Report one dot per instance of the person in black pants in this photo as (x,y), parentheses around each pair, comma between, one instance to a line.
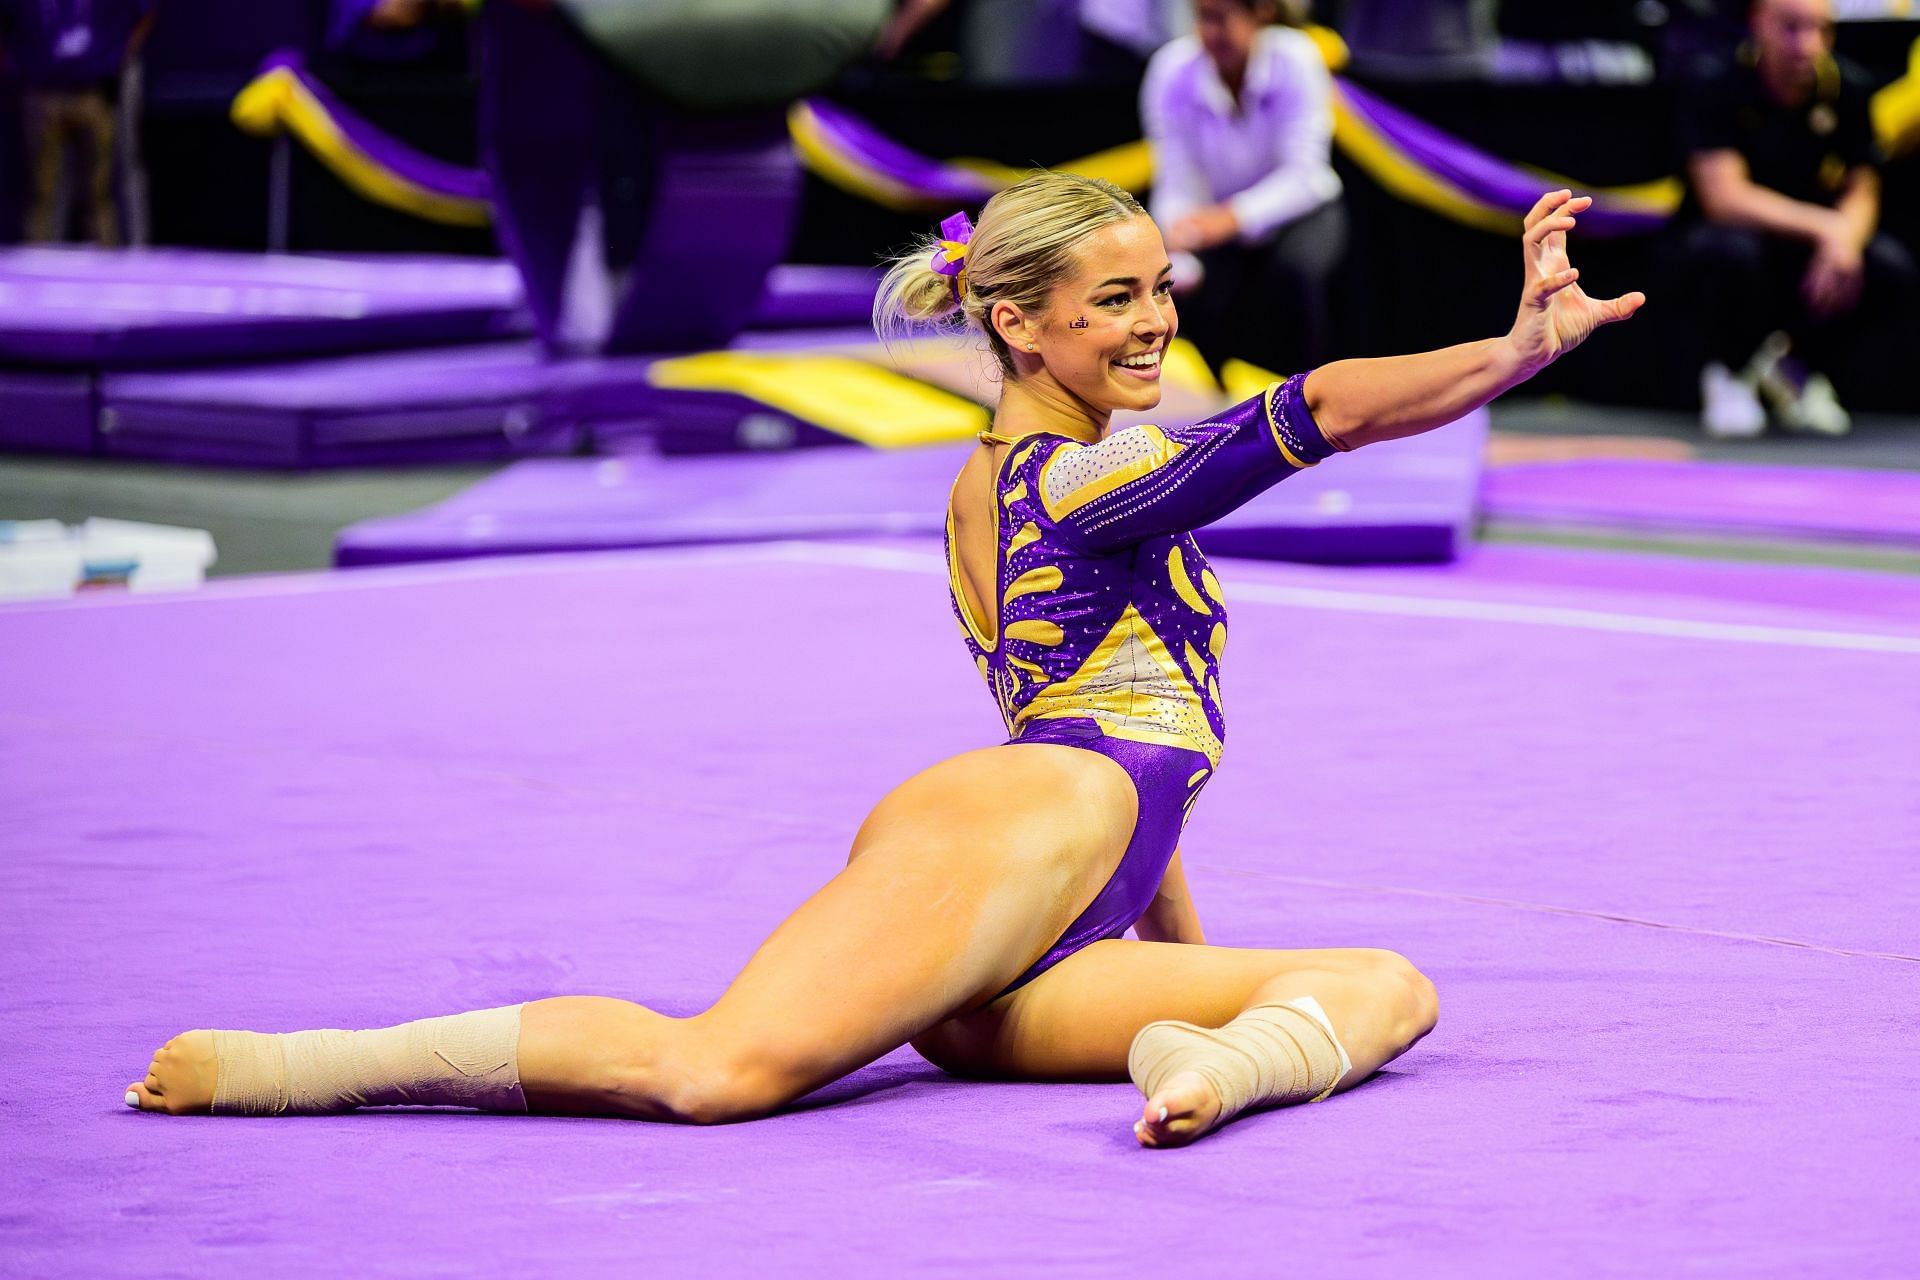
(1781,223)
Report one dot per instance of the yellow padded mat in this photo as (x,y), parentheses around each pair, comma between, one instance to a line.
(848,397)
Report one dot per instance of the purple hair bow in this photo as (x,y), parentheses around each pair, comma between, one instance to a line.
(950,259)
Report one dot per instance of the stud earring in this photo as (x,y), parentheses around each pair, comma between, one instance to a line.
(1029,346)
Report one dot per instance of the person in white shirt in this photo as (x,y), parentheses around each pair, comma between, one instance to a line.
(1241,121)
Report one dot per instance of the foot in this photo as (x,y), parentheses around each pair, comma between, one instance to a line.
(1185,1109)
(1729,406)
(180,1078)
(1807,403)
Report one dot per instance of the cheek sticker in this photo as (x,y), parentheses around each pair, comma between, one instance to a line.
(1078,322)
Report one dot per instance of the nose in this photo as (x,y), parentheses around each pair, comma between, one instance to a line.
(1158,318)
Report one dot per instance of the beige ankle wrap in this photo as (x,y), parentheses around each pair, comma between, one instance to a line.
(463,1060)
(1270,1055)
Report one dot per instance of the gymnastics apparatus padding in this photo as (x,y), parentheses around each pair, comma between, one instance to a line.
(1403,502)
(440,404)
(99,308)
(1708,499)
(46,412)
(505,400)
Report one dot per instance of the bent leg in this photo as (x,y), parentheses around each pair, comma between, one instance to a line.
(1078,1020)
(958,881)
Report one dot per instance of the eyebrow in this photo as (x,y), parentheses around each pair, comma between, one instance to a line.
(1131,281)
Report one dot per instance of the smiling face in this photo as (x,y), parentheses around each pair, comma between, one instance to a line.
(1122,290)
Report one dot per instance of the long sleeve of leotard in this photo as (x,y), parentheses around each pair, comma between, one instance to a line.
(1145,481)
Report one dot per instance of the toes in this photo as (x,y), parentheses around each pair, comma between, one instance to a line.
(142,1098)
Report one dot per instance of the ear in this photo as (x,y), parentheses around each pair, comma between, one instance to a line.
(1012,325)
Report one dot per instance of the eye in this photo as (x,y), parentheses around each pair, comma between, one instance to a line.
(1165,287)
(1116,299)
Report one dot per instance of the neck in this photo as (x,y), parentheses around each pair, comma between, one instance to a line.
(1787,87)
(1234,76)
(1037,403)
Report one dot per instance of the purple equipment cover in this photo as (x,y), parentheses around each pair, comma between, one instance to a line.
(1732,498)
(129,307)
(1408,501)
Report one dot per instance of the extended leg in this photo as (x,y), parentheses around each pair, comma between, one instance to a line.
(959,880)
(1078,1020)
(46,160)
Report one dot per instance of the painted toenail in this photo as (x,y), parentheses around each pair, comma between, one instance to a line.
(1163,1115)
(133,1099)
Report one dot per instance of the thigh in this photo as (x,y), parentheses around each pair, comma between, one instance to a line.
(1078,1020)
(958,881)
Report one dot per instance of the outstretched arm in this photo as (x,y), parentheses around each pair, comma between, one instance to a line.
(1359,402)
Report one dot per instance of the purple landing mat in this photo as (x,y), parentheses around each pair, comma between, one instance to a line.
(1659,864)
(120,308)
(441,404)
(1710,498)
(46,412)
(1409,501)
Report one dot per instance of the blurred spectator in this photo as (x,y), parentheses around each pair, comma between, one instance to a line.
(1241,120)
(70,56)
(1782,165)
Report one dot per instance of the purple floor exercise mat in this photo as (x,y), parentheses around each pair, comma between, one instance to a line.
(132,307)
(1710,499)
(1664,882)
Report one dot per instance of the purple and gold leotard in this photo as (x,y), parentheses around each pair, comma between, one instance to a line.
(1112,625)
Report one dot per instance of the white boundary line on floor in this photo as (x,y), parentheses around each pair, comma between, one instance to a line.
(1407,606)
(857,555)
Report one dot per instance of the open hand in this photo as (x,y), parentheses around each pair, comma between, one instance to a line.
(1834,276)
(1556,315)
(1215,224)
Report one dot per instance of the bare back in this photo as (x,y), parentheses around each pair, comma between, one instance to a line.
(976,540)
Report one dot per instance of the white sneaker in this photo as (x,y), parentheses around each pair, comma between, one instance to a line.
(1729,406)
(1811,407)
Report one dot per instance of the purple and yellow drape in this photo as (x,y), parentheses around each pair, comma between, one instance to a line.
(1408,157)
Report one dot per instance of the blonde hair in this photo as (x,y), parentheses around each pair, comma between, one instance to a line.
(1022,247)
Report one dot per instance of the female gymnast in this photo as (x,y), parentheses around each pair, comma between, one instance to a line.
(981,912)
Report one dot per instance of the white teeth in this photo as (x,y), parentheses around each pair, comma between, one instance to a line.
(1145,360)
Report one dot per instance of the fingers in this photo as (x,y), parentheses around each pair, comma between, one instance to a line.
(1546,286)
(1561,199)
(1539,231)
(1614,310)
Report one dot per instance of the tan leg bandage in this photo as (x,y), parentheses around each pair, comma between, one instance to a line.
(464,1060)
(1268,1056)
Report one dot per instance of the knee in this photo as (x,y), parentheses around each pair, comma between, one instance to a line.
(1720,247)
(728,1097)
(725,1091)
(1889,261)
(698,1078)
(1412,998)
